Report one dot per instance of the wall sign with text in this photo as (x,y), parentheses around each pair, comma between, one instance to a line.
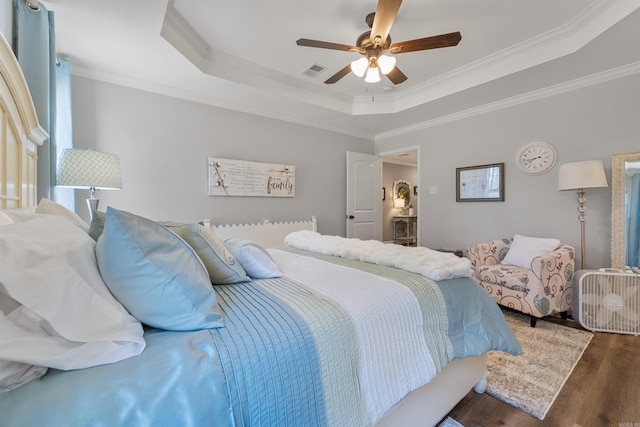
(229,177)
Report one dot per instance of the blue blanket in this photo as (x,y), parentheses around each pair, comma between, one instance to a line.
(271,381)
(176,381)
(270,365)
(475,324)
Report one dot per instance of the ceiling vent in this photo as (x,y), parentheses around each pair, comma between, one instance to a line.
(314,70)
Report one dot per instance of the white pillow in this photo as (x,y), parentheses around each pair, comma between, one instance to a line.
(19,214)
(5,219)
(524,249)
(56,311)
(46,206)
(14,374)
(255,260)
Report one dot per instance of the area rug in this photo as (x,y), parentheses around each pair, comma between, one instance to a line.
(532,381)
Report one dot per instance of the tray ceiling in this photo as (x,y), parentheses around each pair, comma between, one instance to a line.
(242,55)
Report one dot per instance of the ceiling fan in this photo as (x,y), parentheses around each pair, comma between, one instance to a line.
(373,45)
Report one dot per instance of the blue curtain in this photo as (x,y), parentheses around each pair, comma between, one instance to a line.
(34,46)
(63,127)
(633,220)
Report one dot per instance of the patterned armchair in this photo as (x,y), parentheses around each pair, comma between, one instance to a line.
(542,289)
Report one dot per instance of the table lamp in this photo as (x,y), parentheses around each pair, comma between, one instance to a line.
(89,169)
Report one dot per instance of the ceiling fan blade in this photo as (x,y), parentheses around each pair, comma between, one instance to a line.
(396,76)
(326,45)
(433,42)
(340,74)
(386,12)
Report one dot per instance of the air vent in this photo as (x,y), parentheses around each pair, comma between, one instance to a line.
(314,70)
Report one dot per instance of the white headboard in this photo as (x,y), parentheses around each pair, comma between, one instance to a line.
(266,234)
(20,135)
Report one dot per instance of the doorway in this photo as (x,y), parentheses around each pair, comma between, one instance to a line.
(398,224)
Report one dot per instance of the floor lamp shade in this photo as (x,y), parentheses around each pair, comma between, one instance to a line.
(577,176)
(90,169)
(588,174)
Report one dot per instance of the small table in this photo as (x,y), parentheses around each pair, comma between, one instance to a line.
(404,230)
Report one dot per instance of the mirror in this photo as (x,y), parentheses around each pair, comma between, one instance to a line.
(625,206)
(402,190)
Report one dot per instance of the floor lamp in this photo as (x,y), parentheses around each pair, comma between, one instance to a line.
(577,176)
(89,169)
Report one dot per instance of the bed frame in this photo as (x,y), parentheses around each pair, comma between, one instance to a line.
(429,404)
(267,234)
(442,394)
(21,135)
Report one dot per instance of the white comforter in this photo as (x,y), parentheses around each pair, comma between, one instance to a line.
(427,262)
(394,359)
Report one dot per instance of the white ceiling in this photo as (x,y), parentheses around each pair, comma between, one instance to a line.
(408,158)
(242,54)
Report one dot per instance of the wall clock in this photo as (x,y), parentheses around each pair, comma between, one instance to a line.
(537,158)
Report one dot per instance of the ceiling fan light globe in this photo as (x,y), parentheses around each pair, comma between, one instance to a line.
(359,66)
(386,63)
(373,75)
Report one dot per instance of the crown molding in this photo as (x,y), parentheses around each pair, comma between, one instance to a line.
(562,41)
(229,103)
(177,32)
(582,82)
(246,87)
(595,19)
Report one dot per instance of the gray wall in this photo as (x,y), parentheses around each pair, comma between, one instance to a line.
(164,143)
(585,124)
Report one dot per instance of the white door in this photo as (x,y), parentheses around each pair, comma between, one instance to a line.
(364,196)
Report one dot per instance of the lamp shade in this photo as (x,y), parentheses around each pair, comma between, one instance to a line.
(398,203)
(359,66)
(88,169)
(588,174)
(386,63)
(373,75)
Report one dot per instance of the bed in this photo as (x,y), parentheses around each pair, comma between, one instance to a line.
(100,327)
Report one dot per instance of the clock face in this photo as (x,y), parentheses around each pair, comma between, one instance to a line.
(537,157)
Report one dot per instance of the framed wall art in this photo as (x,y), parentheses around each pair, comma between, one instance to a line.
(402,190)
(229,177)
(484,183)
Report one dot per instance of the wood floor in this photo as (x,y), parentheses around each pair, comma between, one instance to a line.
(603,390)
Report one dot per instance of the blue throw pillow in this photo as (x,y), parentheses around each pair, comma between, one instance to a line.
(155,274)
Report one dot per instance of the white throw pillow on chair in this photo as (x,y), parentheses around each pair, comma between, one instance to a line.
(524,249)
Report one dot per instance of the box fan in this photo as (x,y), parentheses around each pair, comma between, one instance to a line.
(607,301)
